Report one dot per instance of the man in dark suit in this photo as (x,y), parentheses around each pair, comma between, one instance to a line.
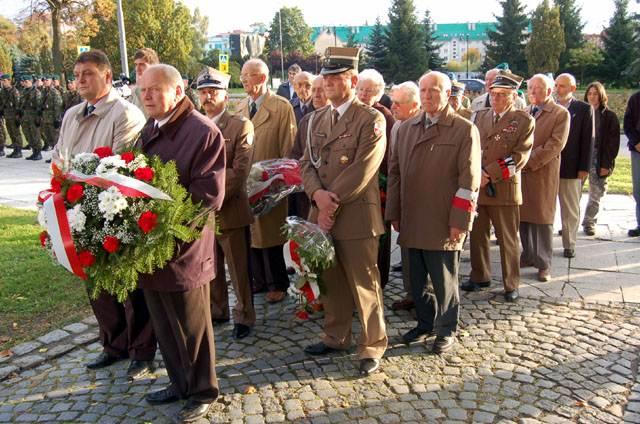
(286,89)
(178,294)
(301,103)
(575,160)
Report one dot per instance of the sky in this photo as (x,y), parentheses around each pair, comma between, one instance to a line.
(225,16)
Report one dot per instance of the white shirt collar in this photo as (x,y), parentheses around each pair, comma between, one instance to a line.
(257,101)
(342,109)
(216,118)
(163,121)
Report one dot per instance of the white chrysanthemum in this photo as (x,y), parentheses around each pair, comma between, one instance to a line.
(42,220)
(111,203)
(82,158)
(110,165)
(77,219)
(138,162)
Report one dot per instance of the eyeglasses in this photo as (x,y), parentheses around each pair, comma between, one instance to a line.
(499,95)
(247,76)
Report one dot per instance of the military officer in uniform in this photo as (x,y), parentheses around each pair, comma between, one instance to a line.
(3,99)
(31,101)
(506,136)
(10,105)
(71,96)
(234,218)
(483,101)
(51,107)
(55,83)
(340,165)
(456,100)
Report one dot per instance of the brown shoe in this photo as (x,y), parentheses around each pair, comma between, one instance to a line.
(275,296)
(405,304)
(544,275)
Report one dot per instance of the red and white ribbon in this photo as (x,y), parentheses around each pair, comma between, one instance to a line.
(310,290)
(128,186)
(60,234)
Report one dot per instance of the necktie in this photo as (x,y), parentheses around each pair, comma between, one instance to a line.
(253,110)
(534,111)
(303,109)
(90,109)
(335,115)
(496,118)
(428,122)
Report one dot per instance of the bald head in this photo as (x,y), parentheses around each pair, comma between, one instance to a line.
(435,89)
(161,88)
(565,87)
(539,89)
(254,77)
(490,77)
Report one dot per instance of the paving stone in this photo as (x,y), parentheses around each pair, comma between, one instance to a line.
(28,361)
(483,417)
(25,348)
(53,336)
(5,371)
(76,328)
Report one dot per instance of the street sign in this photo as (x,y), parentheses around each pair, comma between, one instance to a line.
(223,61)
(82,49)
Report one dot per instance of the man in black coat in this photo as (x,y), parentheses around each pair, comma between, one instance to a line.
(632,131)
(286,89)
(575,160)
(301,103)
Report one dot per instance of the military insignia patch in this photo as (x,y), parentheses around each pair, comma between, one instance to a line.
(377,130)
(344,160)
(249,139)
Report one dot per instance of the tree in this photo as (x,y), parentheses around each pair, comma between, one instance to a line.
(6,62)
(296,34)
(200,29)
(431,47)
(8,31)
(406,58)
(351,41)
(547,40)
(634,68)
(163,25)
(376,50)
(584,62)
(507,43)
(618,40)
(572,24)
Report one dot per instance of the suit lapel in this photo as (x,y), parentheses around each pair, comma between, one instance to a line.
(263,113)
(224,119)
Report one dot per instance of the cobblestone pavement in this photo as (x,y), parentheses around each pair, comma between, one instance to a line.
(541,360)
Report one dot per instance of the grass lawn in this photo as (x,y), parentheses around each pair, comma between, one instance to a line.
(620,181)
(36,296)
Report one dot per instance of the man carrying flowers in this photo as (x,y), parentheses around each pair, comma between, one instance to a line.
(178,294)
(105,120)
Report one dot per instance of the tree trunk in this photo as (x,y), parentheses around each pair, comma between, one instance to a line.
(56,50)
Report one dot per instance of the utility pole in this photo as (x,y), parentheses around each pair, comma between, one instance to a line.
(123,42)
(281,45)
(467,37)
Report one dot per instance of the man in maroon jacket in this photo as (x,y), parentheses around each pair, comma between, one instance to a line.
(178,294)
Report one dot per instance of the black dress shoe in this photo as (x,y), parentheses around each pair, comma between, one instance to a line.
(240,331)
(414,334)
(635,232)
(397,267)
(192,411)
(511,296)
(590,231)
(443,344)
(46,148)
(47,161)
(138,369)
(569,253)
(2,153)
(473,286)
(220,321)
(368,366)
(35,155)
(16,154)
(103,360)
(166,395)
(319,349)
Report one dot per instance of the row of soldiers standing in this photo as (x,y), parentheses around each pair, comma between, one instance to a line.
(35,110)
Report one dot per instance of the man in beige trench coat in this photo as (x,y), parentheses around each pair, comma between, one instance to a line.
(275,128)
(541,176)
(340,173)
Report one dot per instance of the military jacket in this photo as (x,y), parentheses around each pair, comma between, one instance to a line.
(51,104)
(506,147)
(31,101)
(9,101)
(70,99)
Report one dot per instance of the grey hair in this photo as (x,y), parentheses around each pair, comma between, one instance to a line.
(548,82)
(373,76)
(259,65)
(443,79)
(169,74)
(309,75)
(410,89)
(571,78)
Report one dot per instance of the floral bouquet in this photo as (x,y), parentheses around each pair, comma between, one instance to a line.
(109,217)
(312,252)
(270,181)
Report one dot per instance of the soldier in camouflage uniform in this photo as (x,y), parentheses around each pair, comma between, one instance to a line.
(30,116)
(71,97)
(10,100)
(191,94)
(3,136)
(56,84)
(51,108)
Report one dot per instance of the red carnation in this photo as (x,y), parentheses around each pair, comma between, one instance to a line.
(86,258)
(103,152)
(144,173)
(111,244)
(127,156)
(56,185)
(303,315)
(147,221)
(75,193)
(43,238)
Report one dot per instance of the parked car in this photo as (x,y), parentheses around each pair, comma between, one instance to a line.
(473,87)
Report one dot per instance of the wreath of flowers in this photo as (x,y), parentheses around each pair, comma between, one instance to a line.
(110,217)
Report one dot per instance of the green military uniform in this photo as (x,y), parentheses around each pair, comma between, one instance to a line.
(10,103)
(51,107)
(71,98)
(30,111)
